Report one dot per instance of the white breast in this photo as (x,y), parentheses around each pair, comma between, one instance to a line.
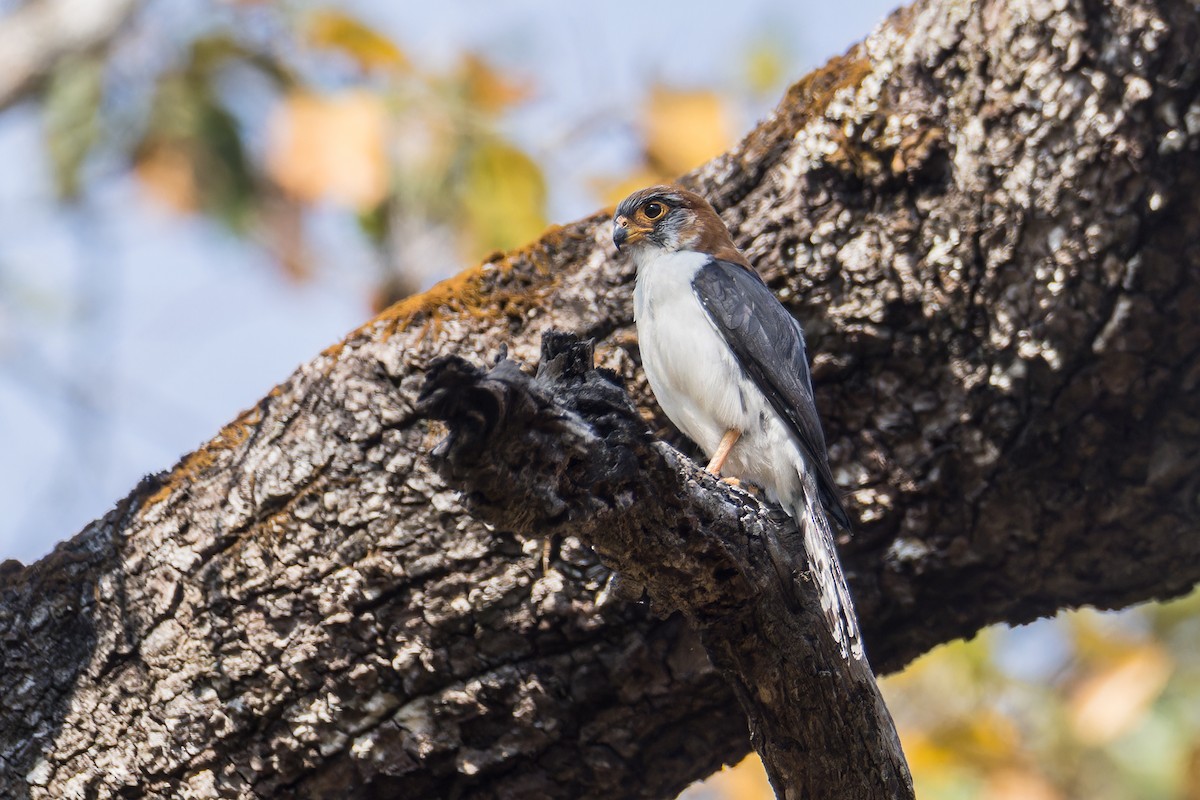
(701,387)
(697,380)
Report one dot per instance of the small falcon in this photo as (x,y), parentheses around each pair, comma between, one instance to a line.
(727,363)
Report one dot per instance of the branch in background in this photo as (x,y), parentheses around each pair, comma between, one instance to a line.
(36,36)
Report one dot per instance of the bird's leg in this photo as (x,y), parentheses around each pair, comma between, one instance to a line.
(718,459)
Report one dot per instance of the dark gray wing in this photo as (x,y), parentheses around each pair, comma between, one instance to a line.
(769,345)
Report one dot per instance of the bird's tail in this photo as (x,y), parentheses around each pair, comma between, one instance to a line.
(826,569)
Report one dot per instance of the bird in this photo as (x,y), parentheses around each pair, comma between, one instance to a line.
(727,363)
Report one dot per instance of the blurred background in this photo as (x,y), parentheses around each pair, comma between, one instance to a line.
(198,196)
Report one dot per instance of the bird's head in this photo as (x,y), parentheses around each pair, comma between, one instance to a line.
(671,218)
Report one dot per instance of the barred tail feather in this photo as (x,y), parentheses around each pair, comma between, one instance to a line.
(836,602)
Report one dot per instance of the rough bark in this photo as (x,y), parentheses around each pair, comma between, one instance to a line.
(987,217)
(566,453)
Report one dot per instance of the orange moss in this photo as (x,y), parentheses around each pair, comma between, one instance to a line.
(811,95)
(192,466)
(504,285)
(805,100)
(463,293)
(859,154)
(507,284)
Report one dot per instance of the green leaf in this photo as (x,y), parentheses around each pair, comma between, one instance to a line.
(197,137)
(72,119)
(210,54)
(375,222)
(504,196)
(188,119)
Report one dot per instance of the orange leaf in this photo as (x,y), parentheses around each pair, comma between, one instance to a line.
(684,129)
(1012,784)
(167,174)
(486,88)
(330,147)
(745,781)
(1113,700)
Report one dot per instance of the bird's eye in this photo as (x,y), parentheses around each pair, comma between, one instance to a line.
(654,210)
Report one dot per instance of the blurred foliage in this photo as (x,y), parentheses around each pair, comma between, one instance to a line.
(191,154)
(680,130)
(395,144)
(72,108)
(336,30)
(419,156)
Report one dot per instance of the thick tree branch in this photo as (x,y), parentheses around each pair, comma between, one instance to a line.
(566,453)
(988,218)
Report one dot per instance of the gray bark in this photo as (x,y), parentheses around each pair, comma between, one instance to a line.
(986,216)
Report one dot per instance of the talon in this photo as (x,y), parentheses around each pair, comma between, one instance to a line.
(727,442)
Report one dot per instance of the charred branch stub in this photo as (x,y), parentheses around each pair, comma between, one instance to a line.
(566,451)
(530,460)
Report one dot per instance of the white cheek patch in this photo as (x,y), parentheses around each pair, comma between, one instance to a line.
(677,230)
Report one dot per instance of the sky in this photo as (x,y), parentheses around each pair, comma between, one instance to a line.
(129,335)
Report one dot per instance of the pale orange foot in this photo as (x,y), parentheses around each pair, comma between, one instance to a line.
(718,459)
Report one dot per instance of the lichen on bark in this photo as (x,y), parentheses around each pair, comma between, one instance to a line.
(986,217)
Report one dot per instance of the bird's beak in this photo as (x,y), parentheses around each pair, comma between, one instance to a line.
(620,231)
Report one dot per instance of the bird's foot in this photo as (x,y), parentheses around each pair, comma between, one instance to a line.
(727,442)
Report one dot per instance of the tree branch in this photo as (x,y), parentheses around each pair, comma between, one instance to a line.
(39,34)
(566,453)
(988,218)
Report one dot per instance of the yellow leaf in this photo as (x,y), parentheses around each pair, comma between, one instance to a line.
(504,197)
(765,64)
(1191,777)
(992,736)
(684,129)
(926,755)
(330,147)
(614,191)
(1113,700)
(985,739)
(167,174)
(336,30)
(1098,636)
